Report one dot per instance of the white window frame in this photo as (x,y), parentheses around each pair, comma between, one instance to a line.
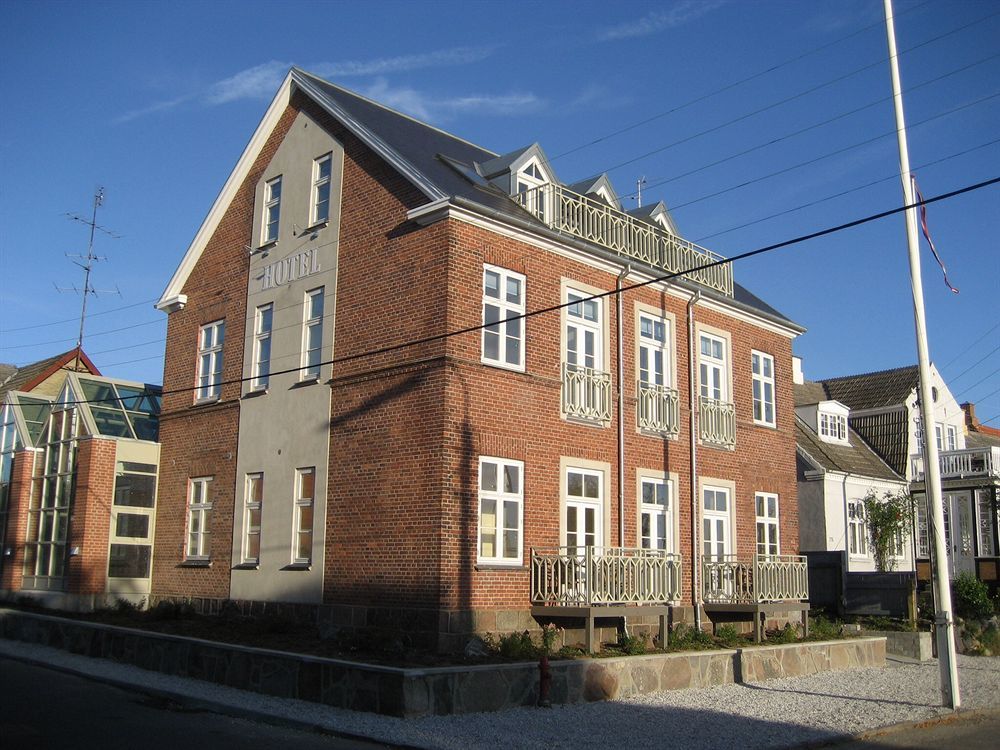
(211,338)
(652,349)
(500,497)
(714,515)
(653,511)
(939,436)
(197,544)
(857,530)
(762,370)
(253,503)
(321,183)
(261,370)
(716,387)
(833,426)
(302,531)
(769,523)
(526,180)
(581,325)
(312,325)
(270,226)
(952,435)
(505,309)
(583,501)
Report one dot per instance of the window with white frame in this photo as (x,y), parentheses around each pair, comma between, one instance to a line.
(712,367)
(857,529)
(501,500)
(261,371)
(654,350)
(312,334)
(952,434)
(210,340)
(762,368)
(272,210)
(584,509)
(529,181)
(767,524)
(833,426)
(656,528)
(199,518)
(503,304)
(584,341)
(321,189)
(715,522)
(305,499)
(939,436)
(252,502)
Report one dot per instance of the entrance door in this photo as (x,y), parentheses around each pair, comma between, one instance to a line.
(583,510)
(958,531)
(132,517)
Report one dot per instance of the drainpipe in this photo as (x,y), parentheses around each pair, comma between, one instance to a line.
(621,410)
(695,505)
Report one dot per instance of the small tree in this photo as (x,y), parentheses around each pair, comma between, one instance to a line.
(890,522)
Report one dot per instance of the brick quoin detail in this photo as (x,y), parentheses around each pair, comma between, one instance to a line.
(89,523)
(19,500)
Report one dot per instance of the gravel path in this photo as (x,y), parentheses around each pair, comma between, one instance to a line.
(773,714)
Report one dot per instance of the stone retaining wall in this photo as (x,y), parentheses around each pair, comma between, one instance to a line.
(912,644)
(444,690)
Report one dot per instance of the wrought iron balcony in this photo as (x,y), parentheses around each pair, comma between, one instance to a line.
(595,221)
(657,408)
(601,576)
(586,393)
(717,422)
(970,462)
(762,578)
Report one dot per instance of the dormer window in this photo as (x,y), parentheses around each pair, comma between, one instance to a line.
(833,427)
(529,180)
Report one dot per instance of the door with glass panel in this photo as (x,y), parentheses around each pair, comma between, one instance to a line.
(715,540)
(958,531)
(132,515)
(655,521)
(583,510)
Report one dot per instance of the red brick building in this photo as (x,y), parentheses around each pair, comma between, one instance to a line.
(78,467)
(399,385)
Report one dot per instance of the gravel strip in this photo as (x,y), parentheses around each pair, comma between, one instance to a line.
(774,714)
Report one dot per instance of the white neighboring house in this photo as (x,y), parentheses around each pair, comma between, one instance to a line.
(836,470)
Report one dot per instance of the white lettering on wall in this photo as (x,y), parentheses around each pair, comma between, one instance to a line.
(289,269)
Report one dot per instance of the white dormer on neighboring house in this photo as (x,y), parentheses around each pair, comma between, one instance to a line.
(526,171)
(598,188)
(658,214)
(828,419)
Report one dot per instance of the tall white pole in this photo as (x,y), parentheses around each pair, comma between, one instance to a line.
(945,626)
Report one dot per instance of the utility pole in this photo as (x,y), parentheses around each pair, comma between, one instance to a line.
(944,625)
(86,262)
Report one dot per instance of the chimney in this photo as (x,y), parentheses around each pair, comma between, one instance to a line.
(797,377)
(971,423)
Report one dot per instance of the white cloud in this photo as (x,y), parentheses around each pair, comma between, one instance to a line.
(432,109)
(381,66)
(153,108)
(258,82)
(660,20)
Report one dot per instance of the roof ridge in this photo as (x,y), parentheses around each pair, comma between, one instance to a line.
(868,374)
(394,111)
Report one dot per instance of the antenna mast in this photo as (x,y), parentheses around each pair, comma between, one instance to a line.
(86,262)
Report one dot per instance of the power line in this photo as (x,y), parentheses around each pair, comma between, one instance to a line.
(977,362)
(957,356)
(601,295)
(91,335)
(981,380)
(74,320)
(133,361)
(730,86)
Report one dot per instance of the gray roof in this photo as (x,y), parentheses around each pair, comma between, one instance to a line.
(873,390)
(809,393)
(856,458)
(451,164)
(981,440)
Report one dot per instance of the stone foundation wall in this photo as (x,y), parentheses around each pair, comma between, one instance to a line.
(444,690)
(914,645)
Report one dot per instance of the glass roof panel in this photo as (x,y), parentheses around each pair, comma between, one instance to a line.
(111,422)
(104,393)
(36,414)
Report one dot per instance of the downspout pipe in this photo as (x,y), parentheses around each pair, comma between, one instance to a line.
(621,407)
(695,505)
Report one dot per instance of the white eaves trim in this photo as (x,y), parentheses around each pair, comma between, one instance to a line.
(442,209)
(172,298)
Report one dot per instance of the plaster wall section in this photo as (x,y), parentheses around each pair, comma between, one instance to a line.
(135,452)
(841,488)
(284,424)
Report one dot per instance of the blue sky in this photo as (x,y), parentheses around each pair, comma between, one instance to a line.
(754,121)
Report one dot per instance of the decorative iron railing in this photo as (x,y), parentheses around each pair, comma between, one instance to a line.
(657,408)
(595,221)
(586,393)
(717,422)
(970,462)
(762,578)
(588,576)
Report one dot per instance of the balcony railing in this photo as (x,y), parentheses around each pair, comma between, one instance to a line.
(600,576)
(586,393)
(657,408)
(971,462)
(597,222)
(772,578)
(717,422)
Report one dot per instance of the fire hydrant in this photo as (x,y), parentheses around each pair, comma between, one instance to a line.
(544,681)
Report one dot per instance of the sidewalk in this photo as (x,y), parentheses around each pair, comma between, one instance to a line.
(820,710)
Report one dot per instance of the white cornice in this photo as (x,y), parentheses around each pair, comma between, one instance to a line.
(442,209)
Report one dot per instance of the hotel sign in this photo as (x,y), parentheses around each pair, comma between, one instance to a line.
(289,269)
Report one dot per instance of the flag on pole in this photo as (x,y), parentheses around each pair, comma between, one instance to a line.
(927,234)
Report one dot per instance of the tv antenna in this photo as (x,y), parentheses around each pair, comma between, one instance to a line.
(638,190)
(86,262)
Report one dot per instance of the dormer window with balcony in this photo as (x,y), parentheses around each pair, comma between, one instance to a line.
(528,180)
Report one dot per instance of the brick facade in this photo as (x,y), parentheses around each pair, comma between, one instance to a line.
(16,533)
(87,572)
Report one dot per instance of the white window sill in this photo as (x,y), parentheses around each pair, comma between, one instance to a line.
(265,246)
(501,365)
(771,425)
(209,400)
(196,562)
(315,227)
(500,565)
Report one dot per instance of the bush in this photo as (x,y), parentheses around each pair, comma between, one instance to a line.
(685,638)
(633,645)
(972,597)
(787,634)
(515,646)
(729,636)
(823,629)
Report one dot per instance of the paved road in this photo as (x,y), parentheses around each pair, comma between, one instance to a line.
(44,708)
(980,731)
